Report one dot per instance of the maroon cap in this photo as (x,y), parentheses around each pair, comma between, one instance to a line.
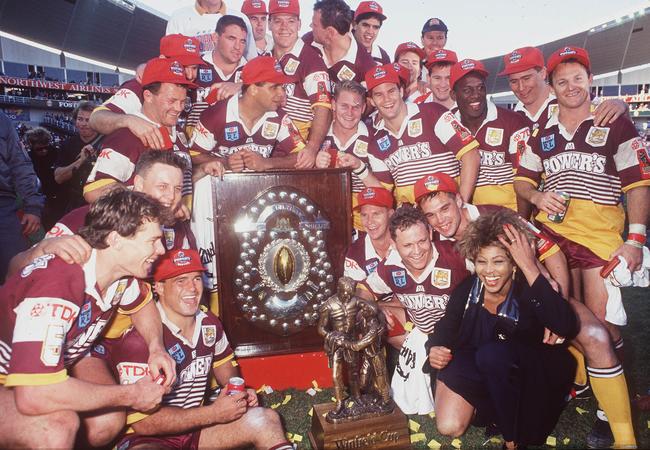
(441,56)
(371,7)
(435,182)
(522,59)
(284,7)
(381,74)
(462,68)
(375,196)
(177,262)
(183,49)
(409,47)
(264,69)
(253,7)
(165,70)
(565,53)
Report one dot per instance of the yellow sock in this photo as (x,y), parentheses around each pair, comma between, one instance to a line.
(610,390)
(213,299)
(581,369)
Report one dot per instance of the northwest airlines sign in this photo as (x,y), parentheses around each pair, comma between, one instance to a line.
(43,84)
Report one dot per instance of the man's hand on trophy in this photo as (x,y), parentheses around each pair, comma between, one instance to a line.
(236,161)
(213,168)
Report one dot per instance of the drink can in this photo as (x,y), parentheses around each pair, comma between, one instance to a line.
(558,218)
(235,385)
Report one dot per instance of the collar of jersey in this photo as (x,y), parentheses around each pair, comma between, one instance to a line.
(394,259)
(232,115)
(554,121)
(520,107)
(350,56)
(207,57)
(172,133)
(491,115)
(411,110)
(370,249)
(296,49)
(362,130)
(176,331)
(90,279)
(375,52)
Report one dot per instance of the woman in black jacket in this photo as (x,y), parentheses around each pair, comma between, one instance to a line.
(493,365)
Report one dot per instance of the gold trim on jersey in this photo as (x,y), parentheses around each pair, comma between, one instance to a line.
(98,184)
(471,146)
(35,379)
(221,362)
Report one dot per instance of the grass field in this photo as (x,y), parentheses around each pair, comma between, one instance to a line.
(576,419)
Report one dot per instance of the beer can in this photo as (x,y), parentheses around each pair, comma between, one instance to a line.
(235,385)
(558,218)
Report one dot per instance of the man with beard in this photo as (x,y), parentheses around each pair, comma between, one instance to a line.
(368,20)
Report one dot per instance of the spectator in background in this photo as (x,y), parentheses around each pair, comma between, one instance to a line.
(76,158)
(43,155)
(17,178)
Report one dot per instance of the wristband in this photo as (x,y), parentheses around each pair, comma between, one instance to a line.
(634,243)
(362,172)
(637,228)
(640,238)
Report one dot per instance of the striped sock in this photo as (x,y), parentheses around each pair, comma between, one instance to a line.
(619,349)
(610,389)
(282,446)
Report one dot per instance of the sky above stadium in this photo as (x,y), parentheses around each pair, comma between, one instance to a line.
(477,28)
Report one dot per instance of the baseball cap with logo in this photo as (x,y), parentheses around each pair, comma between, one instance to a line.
(435,182)
(371,7)
(566,53)
(284,7)
(183,49)
(522,59)
(409,47)
(434,24)
(385,73)
(264,69)
(177,262)
(165,70)
(253,7)
(375,196)
(441,56)
(462,68)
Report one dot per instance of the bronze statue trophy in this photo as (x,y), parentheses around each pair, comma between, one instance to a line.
(352,329)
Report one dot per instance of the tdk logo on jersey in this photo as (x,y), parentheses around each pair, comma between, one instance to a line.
(205,75)
(384,143)
(177,353)
(84,315)
(232,133)
(399,278)
(548,143)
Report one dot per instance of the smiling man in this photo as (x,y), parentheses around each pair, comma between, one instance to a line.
(164,92)
(502,135)
(438,65)
(434,35)
(368,20)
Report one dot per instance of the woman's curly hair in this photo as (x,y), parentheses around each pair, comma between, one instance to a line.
(485,231)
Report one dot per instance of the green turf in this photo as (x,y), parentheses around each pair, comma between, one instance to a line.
(572,425)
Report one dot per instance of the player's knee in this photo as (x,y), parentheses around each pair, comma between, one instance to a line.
(594,337)
(58,432)
(102,430)
(450,426)
(261,420)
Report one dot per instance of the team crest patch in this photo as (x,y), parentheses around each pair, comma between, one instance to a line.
(597,136)
(399,278)
(38,263)
(345,73)
(99,348)
(643,157)
(169,235)
(177,353)
(205,75)
(291,66)
(84,314)
(441,278)
(270,130)
(370,268)
(360,149)
(494,136)
(415,128)
(383,143)
(209,333)
(232,133)
(553,109)
(548,143)
(461,131)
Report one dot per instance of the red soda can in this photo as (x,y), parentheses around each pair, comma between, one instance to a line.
(558,218)
(235,386)
(160,379)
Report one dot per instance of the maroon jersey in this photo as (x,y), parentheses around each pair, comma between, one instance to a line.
(221,132)
(127,100)
(179,236)
(379,55)
(312,87)
(353,66)
(424,297)
(52,313)
(120,152)
(207,75)
(538,121)
(430,140)
(195,358)
(356,145)
(502,138)
(594,165)
(361,259)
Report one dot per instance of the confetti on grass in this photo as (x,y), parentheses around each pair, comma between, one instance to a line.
(414,426)
(418,437)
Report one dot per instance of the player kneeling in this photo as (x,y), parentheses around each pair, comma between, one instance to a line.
(195,339)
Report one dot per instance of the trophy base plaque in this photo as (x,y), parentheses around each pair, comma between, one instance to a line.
(385,432)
